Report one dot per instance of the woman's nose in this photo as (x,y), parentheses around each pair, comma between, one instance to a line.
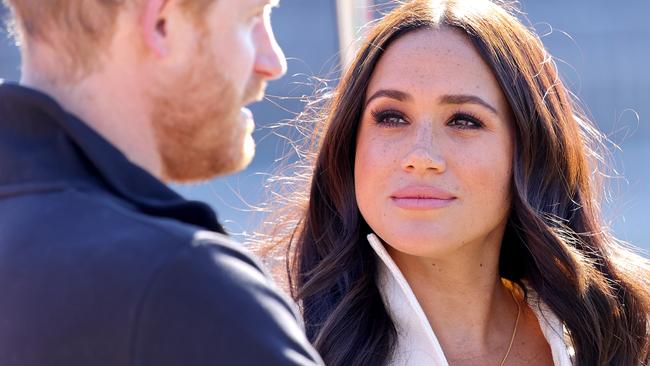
(424,156)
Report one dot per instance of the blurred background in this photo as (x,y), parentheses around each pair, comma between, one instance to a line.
(601,47)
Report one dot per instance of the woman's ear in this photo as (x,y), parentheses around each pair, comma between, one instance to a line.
(153,20)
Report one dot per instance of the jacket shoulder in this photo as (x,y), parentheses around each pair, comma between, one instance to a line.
(213,302)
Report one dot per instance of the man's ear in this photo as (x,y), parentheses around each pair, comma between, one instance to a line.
(154,26)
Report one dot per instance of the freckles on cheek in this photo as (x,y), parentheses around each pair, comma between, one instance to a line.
(385,158)
(373,169)
(491,178)
(369,151)
(388,151)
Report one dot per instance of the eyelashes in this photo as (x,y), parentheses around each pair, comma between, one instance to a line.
(465,121)
(388,118)
(392,118)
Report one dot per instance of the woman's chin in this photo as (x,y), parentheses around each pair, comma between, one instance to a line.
(419,244)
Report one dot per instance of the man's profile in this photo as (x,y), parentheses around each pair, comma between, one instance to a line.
(100,262)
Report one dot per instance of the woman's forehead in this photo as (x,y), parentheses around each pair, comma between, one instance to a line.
(431,62)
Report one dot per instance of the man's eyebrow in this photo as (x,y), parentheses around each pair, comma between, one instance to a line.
(390,93)
(467,99)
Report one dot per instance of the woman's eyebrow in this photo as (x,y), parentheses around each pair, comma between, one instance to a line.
(390,93)
(445,99)
(466,99)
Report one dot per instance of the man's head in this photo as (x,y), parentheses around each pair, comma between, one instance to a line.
(190,65)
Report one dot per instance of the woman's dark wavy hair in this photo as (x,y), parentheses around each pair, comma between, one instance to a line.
(555,238)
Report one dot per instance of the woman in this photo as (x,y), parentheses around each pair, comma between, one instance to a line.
(452,216)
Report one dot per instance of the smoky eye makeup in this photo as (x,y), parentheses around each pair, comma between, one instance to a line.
(388,118)
(460,119)
(465,121)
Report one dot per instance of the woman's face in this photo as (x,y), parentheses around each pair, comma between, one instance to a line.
(435,144)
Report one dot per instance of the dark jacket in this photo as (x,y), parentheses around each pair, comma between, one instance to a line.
(102,264)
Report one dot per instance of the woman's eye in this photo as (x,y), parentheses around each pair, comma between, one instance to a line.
(389,118)
(465,122)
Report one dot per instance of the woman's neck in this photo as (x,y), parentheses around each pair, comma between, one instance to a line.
(464,299)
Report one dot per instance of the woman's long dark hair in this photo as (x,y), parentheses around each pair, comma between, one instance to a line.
(555,239)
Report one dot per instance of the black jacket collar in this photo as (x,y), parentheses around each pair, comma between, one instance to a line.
(41,145)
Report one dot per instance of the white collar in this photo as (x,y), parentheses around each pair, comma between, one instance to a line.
(417,343)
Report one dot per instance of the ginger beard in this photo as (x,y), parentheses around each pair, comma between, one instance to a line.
(200,128)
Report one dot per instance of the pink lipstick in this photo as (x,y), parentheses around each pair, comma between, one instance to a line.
(422,198)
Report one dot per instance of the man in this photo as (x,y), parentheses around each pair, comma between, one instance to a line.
(101,263)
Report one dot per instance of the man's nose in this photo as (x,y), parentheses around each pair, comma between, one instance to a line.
(270,61)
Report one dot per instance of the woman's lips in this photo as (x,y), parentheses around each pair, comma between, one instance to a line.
(421,198)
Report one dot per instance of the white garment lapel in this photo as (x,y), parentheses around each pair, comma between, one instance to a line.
(402,304)
(552,328)
(414,328)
